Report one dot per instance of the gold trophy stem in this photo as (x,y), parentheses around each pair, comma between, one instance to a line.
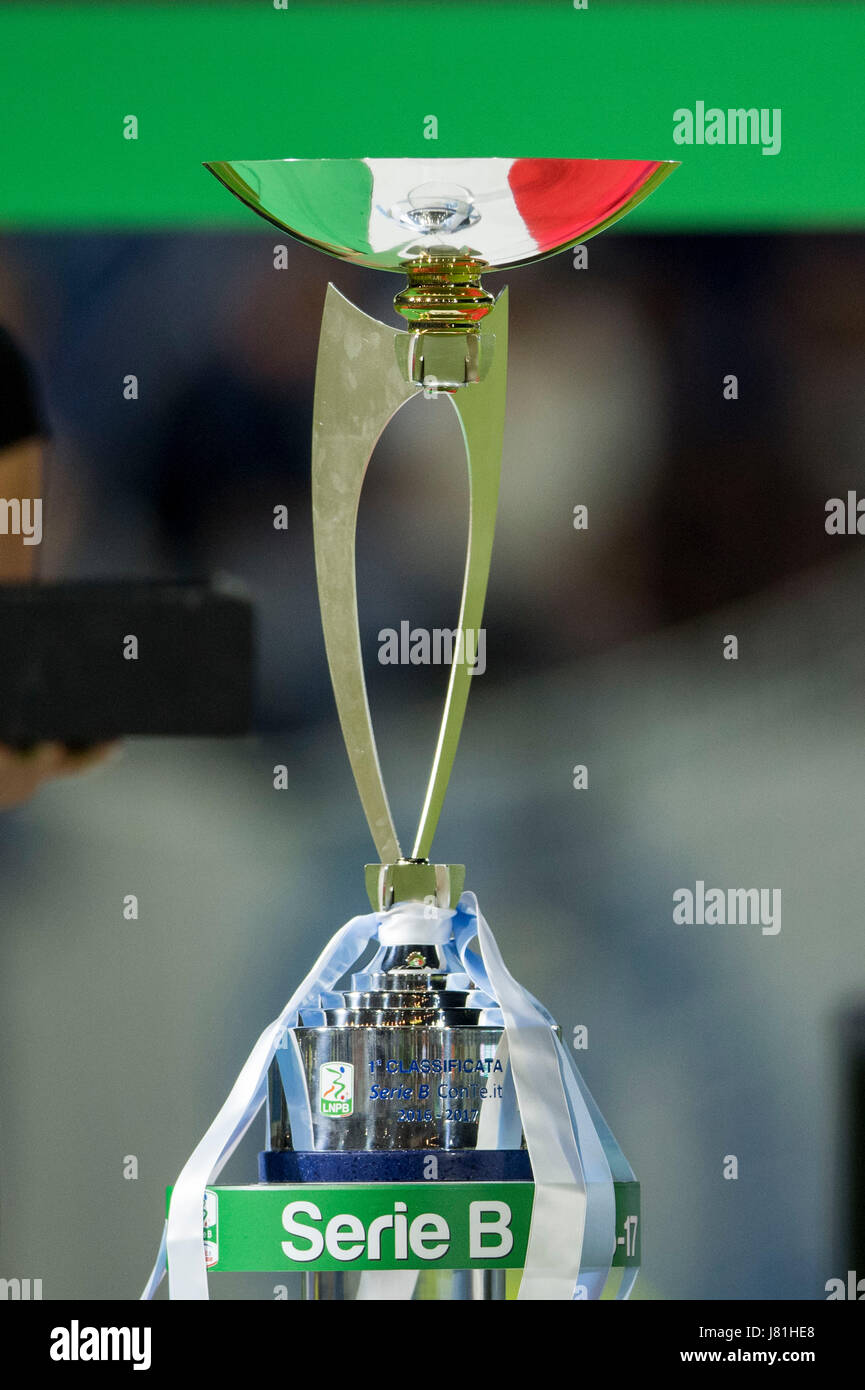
(366,371)
(444,292)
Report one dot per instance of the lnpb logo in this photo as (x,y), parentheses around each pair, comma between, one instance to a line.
(336,1088)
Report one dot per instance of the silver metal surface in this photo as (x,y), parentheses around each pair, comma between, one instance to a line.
(383,212)
(477,1284)
(415,1087)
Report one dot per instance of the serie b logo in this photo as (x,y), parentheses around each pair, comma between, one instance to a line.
(336,1088)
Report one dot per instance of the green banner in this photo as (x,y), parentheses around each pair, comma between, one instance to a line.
(355,1226)
(762,103)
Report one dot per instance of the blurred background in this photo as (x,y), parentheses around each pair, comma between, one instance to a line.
(604,648)
(706,517)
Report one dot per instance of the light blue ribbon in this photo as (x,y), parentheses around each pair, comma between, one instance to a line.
(567,1152)
(570,1145)
(182,1248)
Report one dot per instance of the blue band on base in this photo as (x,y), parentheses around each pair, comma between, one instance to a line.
(395,1165)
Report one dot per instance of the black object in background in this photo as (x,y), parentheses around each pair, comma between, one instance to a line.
(20,417)
(65,672)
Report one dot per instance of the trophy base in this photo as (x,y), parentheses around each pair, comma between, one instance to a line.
(397,1165)
(318,1168)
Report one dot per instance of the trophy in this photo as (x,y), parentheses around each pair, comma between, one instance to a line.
(428,1133)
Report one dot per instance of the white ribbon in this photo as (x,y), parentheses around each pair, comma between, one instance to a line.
(620,1168)
(387,1285)
(572,1234)
(183,1243)
(572,1237)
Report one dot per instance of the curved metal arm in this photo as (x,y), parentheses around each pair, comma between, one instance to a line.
(481,411)
(359,388)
